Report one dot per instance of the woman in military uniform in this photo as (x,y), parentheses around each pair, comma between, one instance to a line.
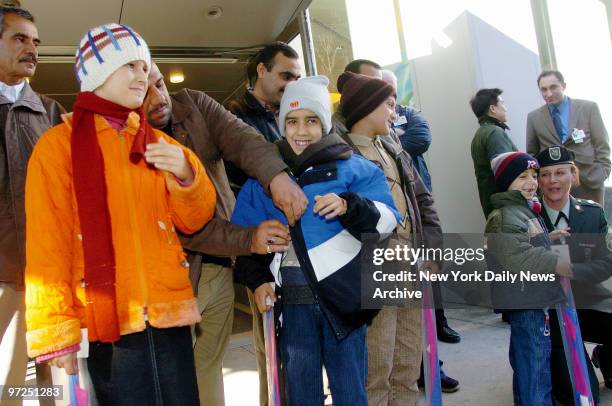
(583,226)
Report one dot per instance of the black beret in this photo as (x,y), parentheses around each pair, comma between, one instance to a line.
(555,155)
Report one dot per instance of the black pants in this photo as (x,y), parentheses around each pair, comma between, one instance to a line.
(438,303)
(595,328)
(153,367)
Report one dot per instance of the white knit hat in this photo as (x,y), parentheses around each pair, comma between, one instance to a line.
(309,93)
(105,49)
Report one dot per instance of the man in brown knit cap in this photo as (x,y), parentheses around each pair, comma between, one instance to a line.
(394,338)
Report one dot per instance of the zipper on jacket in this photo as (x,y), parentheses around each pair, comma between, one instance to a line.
(128,190)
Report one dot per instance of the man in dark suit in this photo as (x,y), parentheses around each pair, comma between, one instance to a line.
(577,125)
(582,224)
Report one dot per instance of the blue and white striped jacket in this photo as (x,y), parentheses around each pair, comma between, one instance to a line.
(330,250)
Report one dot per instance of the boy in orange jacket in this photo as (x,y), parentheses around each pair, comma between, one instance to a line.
(104,193)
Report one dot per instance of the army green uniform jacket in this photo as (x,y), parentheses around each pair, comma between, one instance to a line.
(590,248)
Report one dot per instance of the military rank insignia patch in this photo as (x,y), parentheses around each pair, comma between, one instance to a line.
(554,153)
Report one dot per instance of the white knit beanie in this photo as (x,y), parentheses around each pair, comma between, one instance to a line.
(105,49)
(309,93)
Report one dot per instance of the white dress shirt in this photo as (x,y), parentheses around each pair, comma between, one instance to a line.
(12,92)
(553,215)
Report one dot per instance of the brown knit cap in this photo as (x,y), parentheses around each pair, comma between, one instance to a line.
(361,95)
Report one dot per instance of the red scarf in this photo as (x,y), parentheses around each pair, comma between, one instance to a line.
(535,205)
(90,190)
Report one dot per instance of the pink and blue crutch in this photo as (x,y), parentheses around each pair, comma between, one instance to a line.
(274,398)
(574,347)
(431,364)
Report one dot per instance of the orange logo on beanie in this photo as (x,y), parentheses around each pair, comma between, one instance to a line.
(294,104)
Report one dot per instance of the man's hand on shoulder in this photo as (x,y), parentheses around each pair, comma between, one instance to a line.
(288,197)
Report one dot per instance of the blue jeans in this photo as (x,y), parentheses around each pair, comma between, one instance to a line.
(152,367)
(530,349)
(308,342)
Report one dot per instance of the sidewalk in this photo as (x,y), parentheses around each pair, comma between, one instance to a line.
(479,362)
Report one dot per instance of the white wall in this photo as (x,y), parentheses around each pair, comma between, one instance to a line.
(477,56)
(425,21)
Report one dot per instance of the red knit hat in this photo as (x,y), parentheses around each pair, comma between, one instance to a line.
(361,95)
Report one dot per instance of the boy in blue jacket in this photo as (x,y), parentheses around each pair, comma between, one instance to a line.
(319,275)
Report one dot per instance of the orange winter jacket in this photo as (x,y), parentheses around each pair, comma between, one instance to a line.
(145,205)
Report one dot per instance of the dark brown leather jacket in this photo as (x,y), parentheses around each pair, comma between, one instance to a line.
(23,122)
(215,135)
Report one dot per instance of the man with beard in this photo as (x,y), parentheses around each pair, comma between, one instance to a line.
(202,124)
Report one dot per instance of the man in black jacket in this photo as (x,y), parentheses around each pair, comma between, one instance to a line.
(268,73)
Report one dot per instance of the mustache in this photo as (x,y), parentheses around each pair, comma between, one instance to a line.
(29,58)
(160,106)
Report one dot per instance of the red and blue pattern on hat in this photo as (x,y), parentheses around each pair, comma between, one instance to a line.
(508,166)
(103,50)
